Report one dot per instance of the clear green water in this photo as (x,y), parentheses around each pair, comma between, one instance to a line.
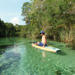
(18,57)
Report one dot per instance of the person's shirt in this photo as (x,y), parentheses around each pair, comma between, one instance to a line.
(44,41)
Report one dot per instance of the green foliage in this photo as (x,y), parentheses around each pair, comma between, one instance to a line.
(9,30)
(55,17)
(6,29)
(2,28)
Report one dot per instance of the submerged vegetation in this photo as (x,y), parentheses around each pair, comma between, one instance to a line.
(55,17)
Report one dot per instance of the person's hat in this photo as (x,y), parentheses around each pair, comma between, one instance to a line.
(42,32)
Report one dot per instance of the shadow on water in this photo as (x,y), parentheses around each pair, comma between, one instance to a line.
(61,53)
(3,48)
(2,51)
(10,58)
(58,72)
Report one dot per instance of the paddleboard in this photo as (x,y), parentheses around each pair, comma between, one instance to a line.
(47,48)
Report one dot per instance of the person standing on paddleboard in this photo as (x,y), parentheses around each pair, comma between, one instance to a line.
(43,41)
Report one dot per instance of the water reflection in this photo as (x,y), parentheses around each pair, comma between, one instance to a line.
(11,57)
(44,54)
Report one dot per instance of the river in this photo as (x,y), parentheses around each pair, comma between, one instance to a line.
(18,57)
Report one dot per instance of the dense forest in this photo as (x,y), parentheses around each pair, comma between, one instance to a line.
(55,17)
(10,30)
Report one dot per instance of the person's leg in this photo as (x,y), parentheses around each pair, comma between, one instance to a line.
(40,44)
(36,43)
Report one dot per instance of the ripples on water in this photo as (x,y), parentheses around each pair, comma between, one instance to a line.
(22,59)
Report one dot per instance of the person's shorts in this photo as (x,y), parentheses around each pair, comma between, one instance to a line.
(41,44)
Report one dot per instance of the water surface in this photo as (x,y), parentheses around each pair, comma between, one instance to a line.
(18,57)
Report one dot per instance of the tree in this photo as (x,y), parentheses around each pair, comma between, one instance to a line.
(55,17)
